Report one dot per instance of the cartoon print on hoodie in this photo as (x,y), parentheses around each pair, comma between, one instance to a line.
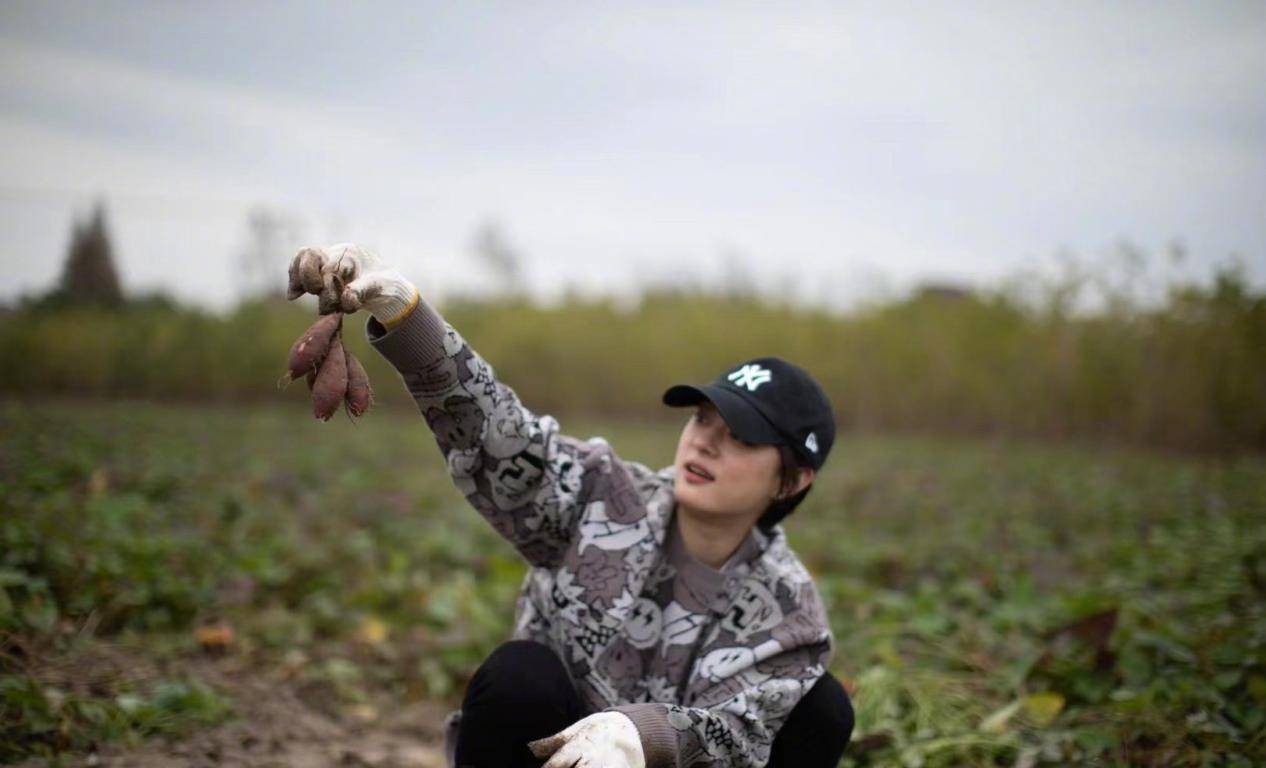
(707,679)
(602,573)
(508,434)
(514,480)
(457,424)
(645,624)
(754,610)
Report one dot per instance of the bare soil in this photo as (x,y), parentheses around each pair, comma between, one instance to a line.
(278,723)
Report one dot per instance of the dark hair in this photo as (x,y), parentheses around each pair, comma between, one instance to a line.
(788,475)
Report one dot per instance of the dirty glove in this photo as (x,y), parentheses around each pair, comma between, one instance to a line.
(602,740)
(346,277)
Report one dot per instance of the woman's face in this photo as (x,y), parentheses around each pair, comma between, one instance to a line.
(719,474)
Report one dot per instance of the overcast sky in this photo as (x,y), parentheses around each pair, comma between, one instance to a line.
(839,149)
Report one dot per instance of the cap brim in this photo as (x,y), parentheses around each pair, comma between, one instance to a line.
(744,421)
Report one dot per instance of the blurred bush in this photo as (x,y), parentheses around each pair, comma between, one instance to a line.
(1189,373)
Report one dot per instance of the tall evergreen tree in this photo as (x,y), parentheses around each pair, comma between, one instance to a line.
(88,276)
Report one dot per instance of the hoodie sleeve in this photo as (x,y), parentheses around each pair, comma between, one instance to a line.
(513,466)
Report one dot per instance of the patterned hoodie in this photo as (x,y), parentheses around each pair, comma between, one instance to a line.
(707,663)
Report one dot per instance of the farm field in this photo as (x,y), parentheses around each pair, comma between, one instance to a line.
(166,568)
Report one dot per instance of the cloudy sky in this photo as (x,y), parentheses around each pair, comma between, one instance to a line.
(836,149)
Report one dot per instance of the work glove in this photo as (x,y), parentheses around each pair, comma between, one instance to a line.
(602,740)
(346,277)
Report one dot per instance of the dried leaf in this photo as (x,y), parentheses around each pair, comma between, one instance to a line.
(214,638)
(1094,630)
(372,631)
(1042,708)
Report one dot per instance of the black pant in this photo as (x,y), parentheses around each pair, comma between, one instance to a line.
(522,692)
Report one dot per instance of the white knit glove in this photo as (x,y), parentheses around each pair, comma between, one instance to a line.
(346,277)
(602,740)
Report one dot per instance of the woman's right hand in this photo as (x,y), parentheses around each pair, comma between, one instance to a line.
(345,277)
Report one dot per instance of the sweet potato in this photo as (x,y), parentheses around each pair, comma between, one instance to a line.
(310,350)
(331,383)
(333,374)
(359,394)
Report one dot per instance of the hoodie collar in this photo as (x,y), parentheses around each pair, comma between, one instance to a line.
(709,583)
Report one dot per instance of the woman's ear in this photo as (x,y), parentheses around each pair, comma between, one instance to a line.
(807,474)
(804,478)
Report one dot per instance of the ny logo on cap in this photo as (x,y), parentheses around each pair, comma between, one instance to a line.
(750,376)
(812,442)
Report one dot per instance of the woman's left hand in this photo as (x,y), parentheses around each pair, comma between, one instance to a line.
(601,740)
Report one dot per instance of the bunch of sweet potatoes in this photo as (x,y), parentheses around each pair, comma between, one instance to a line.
(334,375)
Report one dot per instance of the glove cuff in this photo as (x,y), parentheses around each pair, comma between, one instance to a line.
(398,298)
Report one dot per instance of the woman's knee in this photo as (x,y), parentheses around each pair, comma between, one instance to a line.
(824,719)
(519,655)
(842,706)
(832,710)
(519,672)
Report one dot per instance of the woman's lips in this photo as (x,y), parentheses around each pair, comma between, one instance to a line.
(696,474)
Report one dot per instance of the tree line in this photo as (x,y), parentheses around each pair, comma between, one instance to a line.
(1188,372)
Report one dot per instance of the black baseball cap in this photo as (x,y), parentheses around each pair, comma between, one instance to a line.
(768,401)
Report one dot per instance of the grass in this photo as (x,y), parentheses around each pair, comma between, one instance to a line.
(994,602)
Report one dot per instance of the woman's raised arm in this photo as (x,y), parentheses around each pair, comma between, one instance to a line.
(513,466)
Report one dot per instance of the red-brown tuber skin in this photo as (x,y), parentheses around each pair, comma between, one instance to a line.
(311,348)
(331,382)
(359,393)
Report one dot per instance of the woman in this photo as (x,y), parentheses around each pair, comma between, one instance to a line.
(664,621)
